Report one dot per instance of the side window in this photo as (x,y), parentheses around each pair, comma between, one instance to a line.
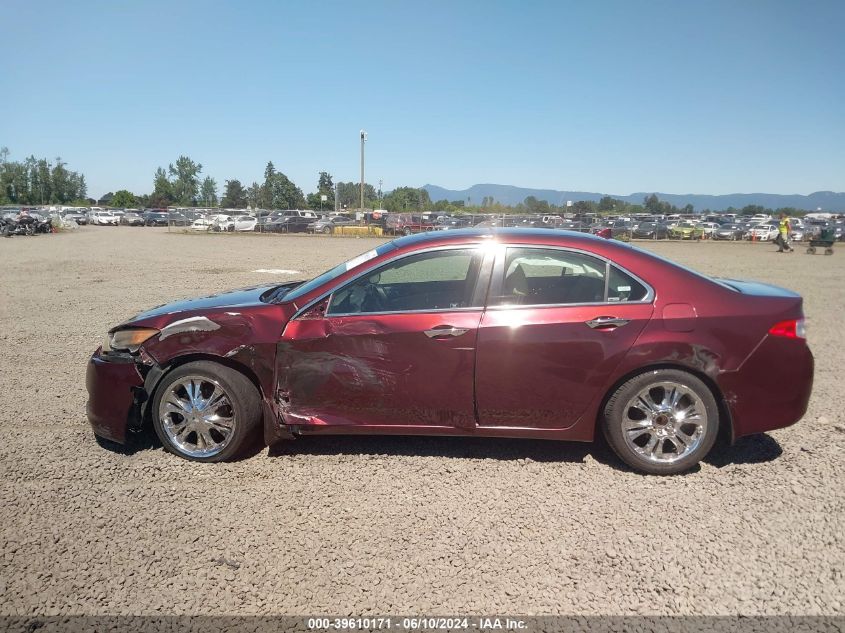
(538,276)
(438,280)
(622,287)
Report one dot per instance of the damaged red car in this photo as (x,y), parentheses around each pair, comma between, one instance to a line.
(518,333)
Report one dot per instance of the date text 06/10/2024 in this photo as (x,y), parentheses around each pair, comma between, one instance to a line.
(374,623)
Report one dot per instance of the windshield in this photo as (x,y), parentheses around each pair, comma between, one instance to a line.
(337,271)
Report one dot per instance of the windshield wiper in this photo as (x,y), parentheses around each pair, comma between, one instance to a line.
(275,295)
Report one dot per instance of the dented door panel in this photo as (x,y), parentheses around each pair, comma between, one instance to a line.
(378,370)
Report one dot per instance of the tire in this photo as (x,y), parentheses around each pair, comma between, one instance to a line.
(239,411)
(327,229)
(407,232)
(662,444)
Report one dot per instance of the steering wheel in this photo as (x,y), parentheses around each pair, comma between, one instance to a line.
(376,298)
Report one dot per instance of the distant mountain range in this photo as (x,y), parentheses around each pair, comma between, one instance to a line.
(510,195)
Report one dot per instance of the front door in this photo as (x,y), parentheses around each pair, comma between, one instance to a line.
(394,347)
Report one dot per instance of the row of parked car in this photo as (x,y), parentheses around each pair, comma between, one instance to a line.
(728,227)
(716,226)
(289,221)
(733,229)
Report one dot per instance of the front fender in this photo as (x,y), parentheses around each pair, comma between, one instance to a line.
(245,341)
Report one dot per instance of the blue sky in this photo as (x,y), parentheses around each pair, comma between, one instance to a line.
(616,97)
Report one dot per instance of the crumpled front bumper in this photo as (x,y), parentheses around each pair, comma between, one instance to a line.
(115,395)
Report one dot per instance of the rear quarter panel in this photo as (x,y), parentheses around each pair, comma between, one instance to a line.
(700,326)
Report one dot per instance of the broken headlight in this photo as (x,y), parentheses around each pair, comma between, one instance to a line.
(128,340)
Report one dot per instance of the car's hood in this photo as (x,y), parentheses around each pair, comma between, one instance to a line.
(241,298)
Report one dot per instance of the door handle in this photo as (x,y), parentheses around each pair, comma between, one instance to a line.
(606,323)
(445,330)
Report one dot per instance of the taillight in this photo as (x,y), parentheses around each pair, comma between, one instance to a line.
(794,328)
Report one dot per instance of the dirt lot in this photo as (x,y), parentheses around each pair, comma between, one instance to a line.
(387,525)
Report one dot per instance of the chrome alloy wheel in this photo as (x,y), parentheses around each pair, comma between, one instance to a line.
(664,422)
(197,416)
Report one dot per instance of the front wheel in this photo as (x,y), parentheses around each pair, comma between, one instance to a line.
(662,422)
(206,412)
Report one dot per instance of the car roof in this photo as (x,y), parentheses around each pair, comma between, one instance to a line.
(464,235)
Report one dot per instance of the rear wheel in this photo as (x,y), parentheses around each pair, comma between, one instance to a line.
(206,412)
(662,422)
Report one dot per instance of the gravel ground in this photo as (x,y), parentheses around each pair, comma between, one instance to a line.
(386,525)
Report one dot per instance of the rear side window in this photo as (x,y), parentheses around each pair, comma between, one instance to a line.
(536,276)
(622,287)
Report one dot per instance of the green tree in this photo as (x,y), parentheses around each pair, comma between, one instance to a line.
(80,188)
(208,192)
(536,207)
(61,183)
(185,176)
(123,199)
(584,206)
(652,204)
(324,183)
(279,192)
(607,203)
(286,194)
(325,187)
(349,195)
(407,199)
(253,195)
(36,181)
(162,195)
(234,196)
(265,200)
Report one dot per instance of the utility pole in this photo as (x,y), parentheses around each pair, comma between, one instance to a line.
(363,140)
(380,183)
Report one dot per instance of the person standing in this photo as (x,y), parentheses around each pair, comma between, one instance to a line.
(784,229)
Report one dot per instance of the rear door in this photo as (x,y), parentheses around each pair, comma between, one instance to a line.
(558,322)
(394,347)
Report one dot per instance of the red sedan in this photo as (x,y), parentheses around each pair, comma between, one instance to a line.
(508,333)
